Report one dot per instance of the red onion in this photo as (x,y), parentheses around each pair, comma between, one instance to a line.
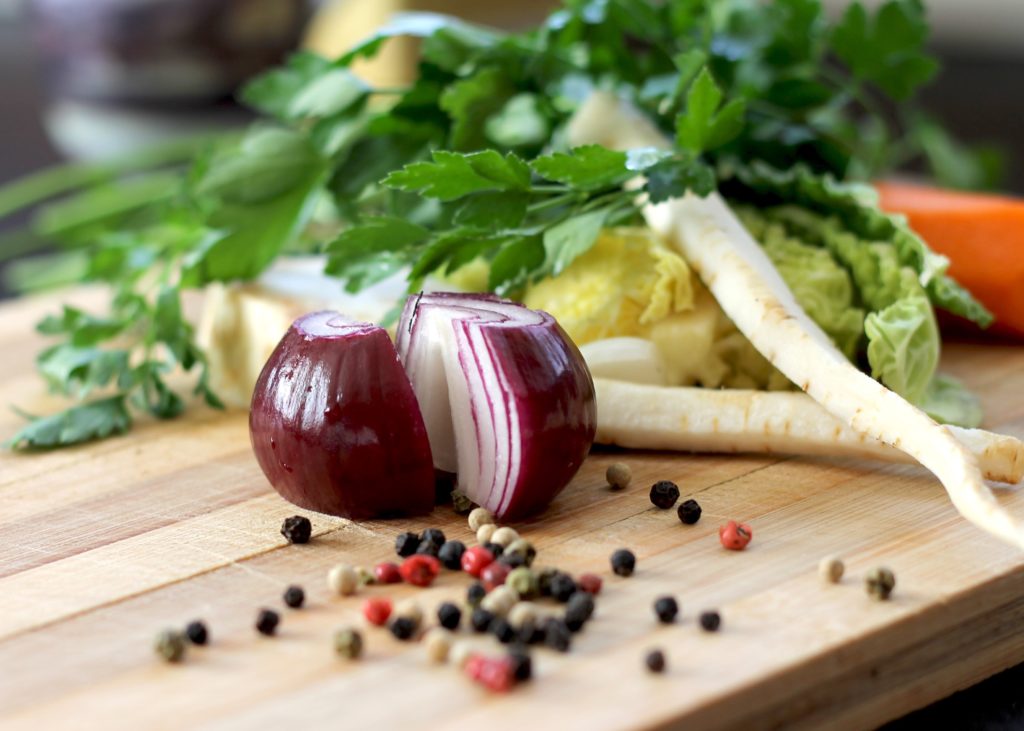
(506,397)
(335,425)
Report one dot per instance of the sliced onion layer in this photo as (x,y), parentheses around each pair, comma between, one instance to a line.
(506,397)
(335,425)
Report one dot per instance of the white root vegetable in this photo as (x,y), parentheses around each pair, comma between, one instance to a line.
(752,293)
(644,416)
(625,359)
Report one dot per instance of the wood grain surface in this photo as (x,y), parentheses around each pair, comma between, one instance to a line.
(102,546)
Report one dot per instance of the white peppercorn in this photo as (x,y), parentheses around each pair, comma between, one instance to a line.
(438,643)
(485,532)
(460,652)
(521,613)
(504,536)
(831,569)
(500,601)
(619,475)
(479,517)
(343,580)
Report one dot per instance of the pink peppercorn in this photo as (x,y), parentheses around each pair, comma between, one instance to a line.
(497,674)
(387,573)
(735,536)
(377,610)
(590,583)
(495,574)
(475,560)
(420,569)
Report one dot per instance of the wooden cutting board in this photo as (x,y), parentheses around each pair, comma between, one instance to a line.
(104,545)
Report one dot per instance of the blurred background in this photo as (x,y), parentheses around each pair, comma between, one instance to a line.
(92,79)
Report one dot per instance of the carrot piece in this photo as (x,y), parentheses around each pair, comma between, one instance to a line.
(983,236)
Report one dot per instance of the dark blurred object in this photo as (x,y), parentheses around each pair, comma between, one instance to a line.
(161,51)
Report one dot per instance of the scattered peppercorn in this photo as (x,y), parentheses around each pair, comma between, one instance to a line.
(343,580)
(500,601)
(294,596)
(297,529)
(879,583)
(475,560)
(267,621)
(461,503)
(406,544)
(590,583)
(348,643)
(655,661)
(492,673)
(522,548)
(481,619)
(667,609)
(557,635)
(544,577)
(402,628)
(460,652)
(521,613)
(449,615)
(531,632)
(196,632)
(484,533)
(710,620)
(735,536)
(170,645)
(496,549)
(664,494)
(618,475)
(451,554)
(623,562)
(475,594)
(494,575)
(831,569)
(562,586)
(411,610)
(420,569)
(438,643)
(377,610)
(434,536)
(523,582)
(426,548)
(578,610)
(522,665)
(513,560)
(689,512)
(387,573)
(366,577)
(504,536)
(502,630)
(479,517)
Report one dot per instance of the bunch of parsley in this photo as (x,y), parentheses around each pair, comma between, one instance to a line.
(467,161)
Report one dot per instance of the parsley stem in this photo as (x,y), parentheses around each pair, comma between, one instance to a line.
(552,202)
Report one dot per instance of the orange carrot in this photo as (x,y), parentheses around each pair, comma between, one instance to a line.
(983,236)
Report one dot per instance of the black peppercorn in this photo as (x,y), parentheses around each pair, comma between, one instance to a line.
(544,577)
(406,544)
(531,633)
(449,615)
(297,529)
(481,619)
(513,560)
(428,548)
(294,596)
(578,610)
(562,586)
(623,562)
(689,512)
(557,635)
(502,630)
(433,535)
(664,494)
(475,594)
(710,621)
(196,633)
(267,621)
(403,628)
(655,661)
(666,608)
(496,549)
(522,666)
(451,554)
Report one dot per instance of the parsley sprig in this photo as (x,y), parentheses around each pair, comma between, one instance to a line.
(469,161)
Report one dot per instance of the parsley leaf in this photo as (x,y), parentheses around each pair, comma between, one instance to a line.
(590,167)
(706,124)
(567,240)
(452,175)
(82,423)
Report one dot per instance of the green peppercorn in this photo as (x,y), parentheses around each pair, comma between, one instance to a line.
(170,645)
(197,633)
(365,576)
(664,494)
(618,475)
(544,577)
(523,582)
(294,596)
(623,562)
(461,503)
(655,661)
(831,569)
(348,643)
(297,529)
(879,583)
(666,608)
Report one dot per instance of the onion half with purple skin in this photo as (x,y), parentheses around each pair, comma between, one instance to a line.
(335,425)
(506,397)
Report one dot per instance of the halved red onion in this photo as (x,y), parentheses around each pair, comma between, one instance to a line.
(506,397)
(335,424)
